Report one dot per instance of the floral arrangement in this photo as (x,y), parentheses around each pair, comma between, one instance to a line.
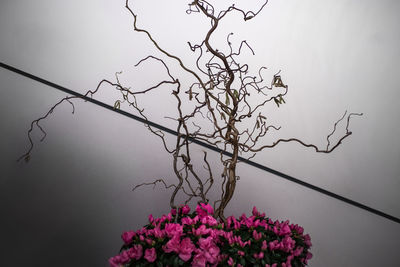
(181,238)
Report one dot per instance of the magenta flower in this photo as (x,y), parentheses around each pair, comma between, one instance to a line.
(172,245)
(256,236)
(128,236)
(186,248)
(230,261)
(210,220)
(288,243)
(158,233)
(199,260)
(298,251)
(150,255)
(185,209)
(202,230)
(136,252)
(273,245)
(258,255)
(264,245)
(285,229)
(115,261)
(209,249)
(173,212)
(307,240)
(187,220)
(255,211)
(213,240)
(204,210)
(173,229)
(124,257)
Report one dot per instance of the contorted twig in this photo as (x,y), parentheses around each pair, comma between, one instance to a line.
(214,108)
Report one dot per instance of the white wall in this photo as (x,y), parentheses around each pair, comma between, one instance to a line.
(69,205)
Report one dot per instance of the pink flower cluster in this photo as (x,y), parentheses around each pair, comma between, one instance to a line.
(199,240)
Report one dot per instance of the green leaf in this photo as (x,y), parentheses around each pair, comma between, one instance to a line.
(227,102)
(236,94)
(117,104)
(176,261)
(211,85)
(276,101)
(262,117)
(223,117)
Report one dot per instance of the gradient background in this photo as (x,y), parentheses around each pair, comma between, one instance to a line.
(70,204)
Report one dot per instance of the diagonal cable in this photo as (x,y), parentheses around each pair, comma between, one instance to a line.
(213,148)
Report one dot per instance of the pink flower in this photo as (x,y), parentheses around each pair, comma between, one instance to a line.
(298,251)
(288,243)
(259,255)
(230,261)
(249,221)
(187,220)
(135,252)
(240,253)
(307,240)
(285,229)
(256,236)
(115,261)
(204,210)
(173,229)
(173,212)
(185,209)
(210,220)
(199,260)
(149,241)
(158,233)
(209,249)
(255,211)
(141,237)
(150,255)
(202,230)
(273,245)
(128,236)
(169,217)
(186,248)
(172,245)
(264,245)
(124,257)
(289,260)
(151,218)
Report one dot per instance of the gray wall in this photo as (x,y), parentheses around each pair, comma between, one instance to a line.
(70,204)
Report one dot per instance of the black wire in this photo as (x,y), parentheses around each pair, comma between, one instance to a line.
(249,162)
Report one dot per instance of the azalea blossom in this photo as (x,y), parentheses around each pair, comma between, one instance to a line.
(200,240)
